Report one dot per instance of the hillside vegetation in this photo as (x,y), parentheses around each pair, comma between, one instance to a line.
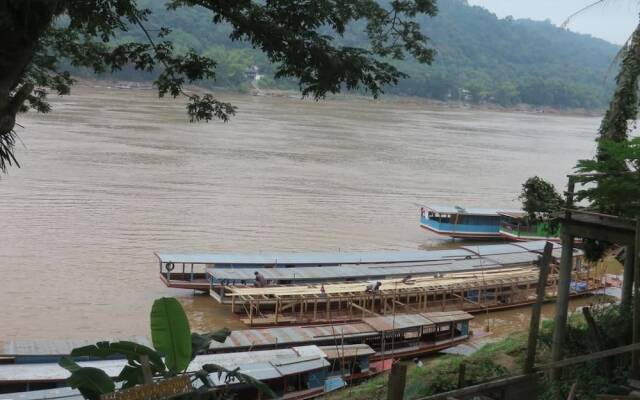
(480,58)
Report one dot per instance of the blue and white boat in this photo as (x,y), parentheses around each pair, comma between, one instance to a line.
(464,223)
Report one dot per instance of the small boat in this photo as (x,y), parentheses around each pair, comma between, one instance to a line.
(483,223)
(463,223)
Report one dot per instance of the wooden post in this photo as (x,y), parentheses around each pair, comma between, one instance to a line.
(315,310)
(277,310)
(534,326)
(250,312)
(627,277)
(564,282)
(147,377)
(461,372)
(635,356)
(397,380)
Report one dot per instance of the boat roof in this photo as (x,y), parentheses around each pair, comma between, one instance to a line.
(474,258)
(341,273)
(367,327)
(347,351)
(48,347)
(470,210)
(264,364)
(309,257)
(516,274)
(513,214)
(65,393)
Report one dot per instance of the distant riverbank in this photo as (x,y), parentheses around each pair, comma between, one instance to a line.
(391,99)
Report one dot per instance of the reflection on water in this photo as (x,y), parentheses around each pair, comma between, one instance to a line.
(112,176)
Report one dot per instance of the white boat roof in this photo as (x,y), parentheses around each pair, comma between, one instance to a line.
(49,347)
(310,257)
(475,257)
(471,210)
(367,272)
(65,393)
(246,361)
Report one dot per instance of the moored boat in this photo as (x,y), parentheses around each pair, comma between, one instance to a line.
(463,223)
(484,223)
(213,270)
(299,372)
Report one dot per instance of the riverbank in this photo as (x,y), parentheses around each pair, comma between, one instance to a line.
(384,99)
(506,358)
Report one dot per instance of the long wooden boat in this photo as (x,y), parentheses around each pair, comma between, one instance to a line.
(189,270)
(391,336)
(299,372)
(209,271)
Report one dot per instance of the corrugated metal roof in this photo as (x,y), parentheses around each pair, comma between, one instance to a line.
(53,372)
(311,258)
(349,350)
(399,321)
(361,272)
(61,393)
(510,259)
(492,249)
(447,316)
(42,347)
(536,245)
(314,334)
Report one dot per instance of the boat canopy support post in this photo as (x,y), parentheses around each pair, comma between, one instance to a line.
(564,282)
(537,308)
(635,356)
(627,277)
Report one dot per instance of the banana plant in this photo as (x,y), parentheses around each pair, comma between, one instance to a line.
(172,338)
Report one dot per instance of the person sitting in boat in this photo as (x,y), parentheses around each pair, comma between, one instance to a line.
(408,280)
(373,287)
(260,281)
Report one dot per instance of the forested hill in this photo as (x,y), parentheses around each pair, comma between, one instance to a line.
(480,58)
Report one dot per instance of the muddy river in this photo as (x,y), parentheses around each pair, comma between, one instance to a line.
(111,176)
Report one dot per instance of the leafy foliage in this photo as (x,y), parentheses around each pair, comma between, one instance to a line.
(91,382)
(609,188)
(200,341)
(168,323)
(480,58)
(540,198)
(611,181)
(298,36)
(171,333)
(235,376)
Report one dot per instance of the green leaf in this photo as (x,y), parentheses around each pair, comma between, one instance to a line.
(200,341)
(235,375)
(91,382)
(170,333)
(131,375)
(68,364)
(133,351)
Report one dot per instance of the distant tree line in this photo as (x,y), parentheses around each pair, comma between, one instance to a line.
(480,58)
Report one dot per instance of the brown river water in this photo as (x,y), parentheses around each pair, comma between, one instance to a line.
(110,176)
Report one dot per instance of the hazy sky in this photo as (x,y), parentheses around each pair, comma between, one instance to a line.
(614,20)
